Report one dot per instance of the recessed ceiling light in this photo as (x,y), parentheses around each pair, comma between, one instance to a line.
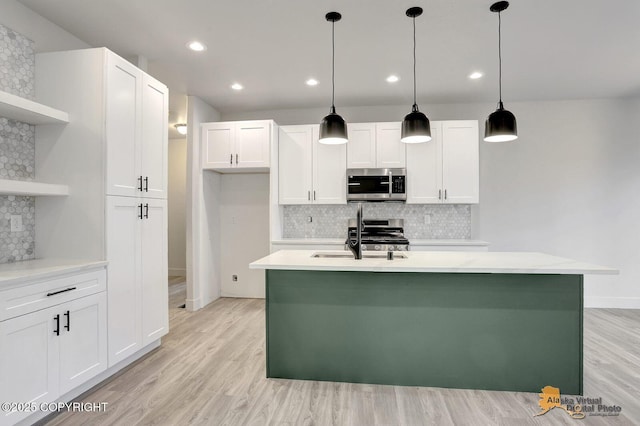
(392,79)
(475,75)
(237,86)
(312,82)
(196,46)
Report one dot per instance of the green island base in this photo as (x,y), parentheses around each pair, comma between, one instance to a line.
(508,332)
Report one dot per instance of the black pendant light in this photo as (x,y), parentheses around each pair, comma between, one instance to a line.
(333,129)
(415,126)
(501,125)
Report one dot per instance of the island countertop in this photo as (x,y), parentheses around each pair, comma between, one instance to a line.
(433,261)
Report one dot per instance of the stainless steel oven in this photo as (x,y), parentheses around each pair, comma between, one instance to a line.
(376,185)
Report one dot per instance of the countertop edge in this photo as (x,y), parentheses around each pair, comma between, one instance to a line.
(11,275)
(416,242)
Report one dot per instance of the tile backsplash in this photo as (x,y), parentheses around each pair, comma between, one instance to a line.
(17,146)
(452,221)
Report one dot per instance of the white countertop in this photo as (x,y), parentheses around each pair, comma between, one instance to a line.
(340,242)
(14,274)
(434,261)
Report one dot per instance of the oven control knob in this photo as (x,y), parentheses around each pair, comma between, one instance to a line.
(377,247)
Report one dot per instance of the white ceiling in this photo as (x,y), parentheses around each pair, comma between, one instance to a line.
(552,49)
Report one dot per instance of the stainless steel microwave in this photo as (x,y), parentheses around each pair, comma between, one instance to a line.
(376,184)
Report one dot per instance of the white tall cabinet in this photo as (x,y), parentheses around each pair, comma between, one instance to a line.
(310,172)
(113,156)
(445,170)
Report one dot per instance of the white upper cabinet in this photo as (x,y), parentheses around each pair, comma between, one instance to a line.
(460,162)
(154,146)
(295,151)
(390,152)
(375,145)
(242,145)
(136,131)
(310,172)
(329,171)
(424,169)
(124,104)
(445,169)
(361,148)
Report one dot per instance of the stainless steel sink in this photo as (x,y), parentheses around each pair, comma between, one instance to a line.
(370,255)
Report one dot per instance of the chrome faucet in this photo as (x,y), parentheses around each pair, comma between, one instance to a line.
(355,244)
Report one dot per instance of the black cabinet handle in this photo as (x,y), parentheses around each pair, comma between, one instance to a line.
(68,326)
(236,159)
(439,194)
(61,291)
(146,211)
(140,183)
(140,212)
(146,184)
(445,194)
(230,158)
(314,195)
(57,329)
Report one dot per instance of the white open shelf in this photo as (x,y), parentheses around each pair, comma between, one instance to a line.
(21,109)
(18,187)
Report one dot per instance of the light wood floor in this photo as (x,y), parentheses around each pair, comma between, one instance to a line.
(210,370)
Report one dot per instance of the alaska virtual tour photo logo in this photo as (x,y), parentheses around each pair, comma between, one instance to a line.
(577,407)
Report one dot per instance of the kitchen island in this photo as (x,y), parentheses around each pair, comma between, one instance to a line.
(477,320)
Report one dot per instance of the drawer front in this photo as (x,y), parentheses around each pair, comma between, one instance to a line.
(43,294)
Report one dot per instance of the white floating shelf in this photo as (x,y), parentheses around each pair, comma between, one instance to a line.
(18,187)
(21,109)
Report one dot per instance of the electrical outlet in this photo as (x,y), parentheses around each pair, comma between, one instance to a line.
(234,278)
(427,219)
(16,223)
(309,219)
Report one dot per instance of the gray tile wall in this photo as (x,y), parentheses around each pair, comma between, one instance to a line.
(420,221)
(17,146)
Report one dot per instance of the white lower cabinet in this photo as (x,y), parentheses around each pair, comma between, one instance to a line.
(137,270)
(47,353)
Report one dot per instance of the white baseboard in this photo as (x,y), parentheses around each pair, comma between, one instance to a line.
(177,272)
(612,302)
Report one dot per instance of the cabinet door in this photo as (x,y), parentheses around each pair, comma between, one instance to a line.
(294,158)
(83,340)
(123,277)
(391,153)
(217,145)
(424,169)
(361,148)
(460,162)
(123,107)
(252,144)
(329,172)
(154,139)
(155,287)
(28,361)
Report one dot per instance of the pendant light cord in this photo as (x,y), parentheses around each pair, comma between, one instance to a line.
(500,59)
(333,66)
(415,104)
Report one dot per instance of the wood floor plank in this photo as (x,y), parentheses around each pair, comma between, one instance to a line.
(210,370)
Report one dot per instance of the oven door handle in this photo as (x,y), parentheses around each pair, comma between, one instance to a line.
(353,184)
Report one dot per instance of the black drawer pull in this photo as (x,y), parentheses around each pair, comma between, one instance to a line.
(68,315)
(61,291)
(57,329)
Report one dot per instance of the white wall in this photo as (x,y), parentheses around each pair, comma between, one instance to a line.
(244,222)
(177,210)
(203,214)
(48,37)
(569,186)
